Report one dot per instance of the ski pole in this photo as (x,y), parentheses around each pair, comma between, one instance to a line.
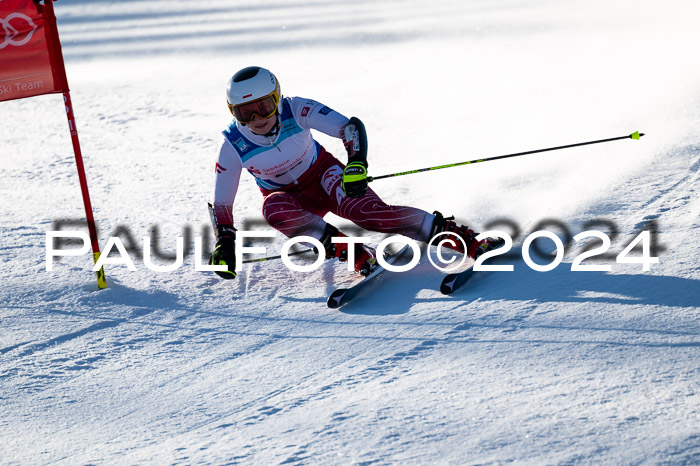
(263,259)
(635,135)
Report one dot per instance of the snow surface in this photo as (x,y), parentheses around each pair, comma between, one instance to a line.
(535,367)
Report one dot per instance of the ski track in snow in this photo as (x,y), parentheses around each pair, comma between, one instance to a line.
(556,367)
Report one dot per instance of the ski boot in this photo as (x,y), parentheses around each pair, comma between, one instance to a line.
(474,248)
(365,257)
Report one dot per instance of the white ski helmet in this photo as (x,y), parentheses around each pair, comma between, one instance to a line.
(253,91)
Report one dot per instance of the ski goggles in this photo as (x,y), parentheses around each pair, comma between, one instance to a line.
(262,108)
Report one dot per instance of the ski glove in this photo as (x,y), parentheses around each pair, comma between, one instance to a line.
(354,180)
(225,252)
(355,140)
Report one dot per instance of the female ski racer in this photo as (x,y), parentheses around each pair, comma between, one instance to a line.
(301,182)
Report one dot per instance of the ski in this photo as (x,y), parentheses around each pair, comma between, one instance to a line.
(455,280)
(341,296)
